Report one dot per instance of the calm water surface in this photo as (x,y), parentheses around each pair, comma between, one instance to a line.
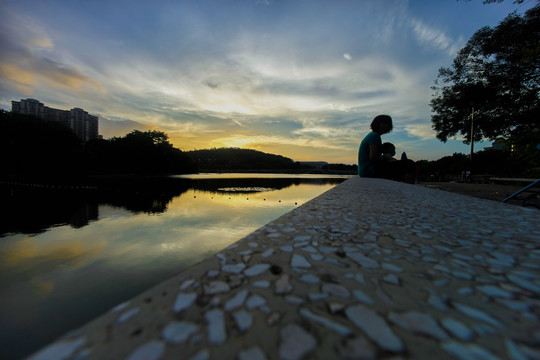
(66,257)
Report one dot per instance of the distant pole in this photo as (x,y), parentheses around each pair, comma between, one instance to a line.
(472,141)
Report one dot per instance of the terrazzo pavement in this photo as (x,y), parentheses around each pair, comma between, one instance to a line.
(370,269)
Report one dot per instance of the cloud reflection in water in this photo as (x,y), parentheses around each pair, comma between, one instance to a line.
(73,274)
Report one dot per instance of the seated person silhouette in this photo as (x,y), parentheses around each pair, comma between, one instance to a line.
(391,168)
(389,150)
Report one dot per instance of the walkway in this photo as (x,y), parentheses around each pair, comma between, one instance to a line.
(370,269)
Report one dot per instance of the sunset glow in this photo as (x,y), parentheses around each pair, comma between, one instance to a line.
(295,78)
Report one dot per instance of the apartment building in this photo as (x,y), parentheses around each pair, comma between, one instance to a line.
(84,125)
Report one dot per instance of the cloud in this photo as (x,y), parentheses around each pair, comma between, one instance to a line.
(118,128)
(13,77)
(25,61)
(26,72)
(422,131)
(32,254)
(430,36)
(25,32)
(265,141)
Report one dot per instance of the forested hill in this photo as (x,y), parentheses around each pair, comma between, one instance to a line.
(223,159)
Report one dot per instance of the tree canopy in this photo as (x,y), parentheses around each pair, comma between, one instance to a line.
(139,152)
(497,75)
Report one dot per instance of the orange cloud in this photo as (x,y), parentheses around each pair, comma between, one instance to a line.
(22,80)
(70,79)
(27,254)
(25,72)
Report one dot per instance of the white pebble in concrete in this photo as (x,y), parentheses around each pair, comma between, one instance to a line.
(237,300)
(216,287)
(375,327)
(418,322)
(362,296)
(299,261)
(256,270)
(178,332)
(183,301)
(233,268)
(283,285)
(457,329)
(295,343)
(495,291)
(216,326)
(363,260)
(468,351)
(152,350)
(243,320)
(265,284)
(255,301)
(254,353)
(309,279)
(477,314)
(327,323)
(336,290)
(128,315)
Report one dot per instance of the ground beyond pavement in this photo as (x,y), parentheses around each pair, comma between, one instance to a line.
(490,191)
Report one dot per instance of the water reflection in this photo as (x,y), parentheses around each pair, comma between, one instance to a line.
(33,210)
(68,256)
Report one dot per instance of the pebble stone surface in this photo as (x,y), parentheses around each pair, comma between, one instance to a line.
(370,269)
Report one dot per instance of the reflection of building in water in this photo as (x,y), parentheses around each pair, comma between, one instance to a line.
(83,124)
(33,210)
(84,213)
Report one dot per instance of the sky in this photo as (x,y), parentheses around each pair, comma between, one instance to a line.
(298,78)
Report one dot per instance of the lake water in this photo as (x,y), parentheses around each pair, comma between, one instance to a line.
(69,255)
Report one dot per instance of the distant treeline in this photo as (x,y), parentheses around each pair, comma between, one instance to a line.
(225,159)
(505,162)
(31,147)
(235,159)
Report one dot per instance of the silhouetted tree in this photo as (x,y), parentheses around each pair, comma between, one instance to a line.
(495,162)
(139,152)
(497,75)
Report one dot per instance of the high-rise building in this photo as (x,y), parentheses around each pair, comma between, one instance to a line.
(84,125)
(29,107)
